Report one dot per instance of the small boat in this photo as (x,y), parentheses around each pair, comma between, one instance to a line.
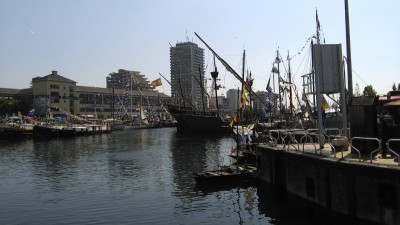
(227,174)
(15,127)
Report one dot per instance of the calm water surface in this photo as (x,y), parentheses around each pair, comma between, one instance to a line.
(125,177)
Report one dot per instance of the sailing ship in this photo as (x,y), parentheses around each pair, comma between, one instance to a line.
(191,120)
(141,122)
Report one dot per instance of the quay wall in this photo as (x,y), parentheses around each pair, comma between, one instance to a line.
(359,190)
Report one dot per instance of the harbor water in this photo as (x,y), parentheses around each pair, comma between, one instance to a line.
(141,176)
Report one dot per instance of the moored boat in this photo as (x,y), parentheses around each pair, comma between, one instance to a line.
(227,174)
(190,121)
(15,127)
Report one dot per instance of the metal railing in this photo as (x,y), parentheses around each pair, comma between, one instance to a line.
(289,135)
(288,139)
(391,150)
(277,135)
(367,139)
(308,135)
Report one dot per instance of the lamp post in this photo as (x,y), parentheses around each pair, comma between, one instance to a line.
(95,111)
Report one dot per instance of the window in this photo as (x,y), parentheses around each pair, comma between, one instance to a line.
(54,86)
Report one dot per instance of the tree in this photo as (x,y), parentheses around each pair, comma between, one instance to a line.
(8,105)
(393,87)
(369,91)
(398,87)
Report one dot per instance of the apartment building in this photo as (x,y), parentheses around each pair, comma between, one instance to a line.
(187,75)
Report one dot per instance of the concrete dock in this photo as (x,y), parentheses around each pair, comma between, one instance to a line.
(344,180)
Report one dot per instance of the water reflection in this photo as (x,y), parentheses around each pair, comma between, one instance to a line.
(131,176)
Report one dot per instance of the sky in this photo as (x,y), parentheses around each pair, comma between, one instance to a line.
(85,40)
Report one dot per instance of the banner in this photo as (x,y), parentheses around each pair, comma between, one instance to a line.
(156,83)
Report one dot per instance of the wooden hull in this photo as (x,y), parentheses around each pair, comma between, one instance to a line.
(189,121)
(226,175)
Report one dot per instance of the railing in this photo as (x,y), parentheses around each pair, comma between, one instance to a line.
(320,136)
(391,150)
(367,139)
(290,136)
(307,135)
(277,137)
(281,136)
(287,138)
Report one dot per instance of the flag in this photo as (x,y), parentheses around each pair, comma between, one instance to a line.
(269,89)
(31,112)
(249,83)
(235,119)
(268,105)
(244,97)
(156,83)
(271,95)
(277,60)
(324,104)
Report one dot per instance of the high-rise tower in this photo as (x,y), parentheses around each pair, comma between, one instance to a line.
(186,62)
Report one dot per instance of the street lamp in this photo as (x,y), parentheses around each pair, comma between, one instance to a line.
(95,113)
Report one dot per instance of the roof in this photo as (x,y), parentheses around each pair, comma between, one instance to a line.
(26,91)
(53,77)
(92,89)
(363,100)
(9,91)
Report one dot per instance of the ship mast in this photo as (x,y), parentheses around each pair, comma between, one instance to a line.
(290,87)
(229,68)
(214,75)
(202,90)
(243,65)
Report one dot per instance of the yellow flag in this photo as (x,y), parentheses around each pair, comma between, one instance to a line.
(324,104)
(244,97)
(235,119)
(156,83)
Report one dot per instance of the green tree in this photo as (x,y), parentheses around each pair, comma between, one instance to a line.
(393,87)
(369,91)
(8,105)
